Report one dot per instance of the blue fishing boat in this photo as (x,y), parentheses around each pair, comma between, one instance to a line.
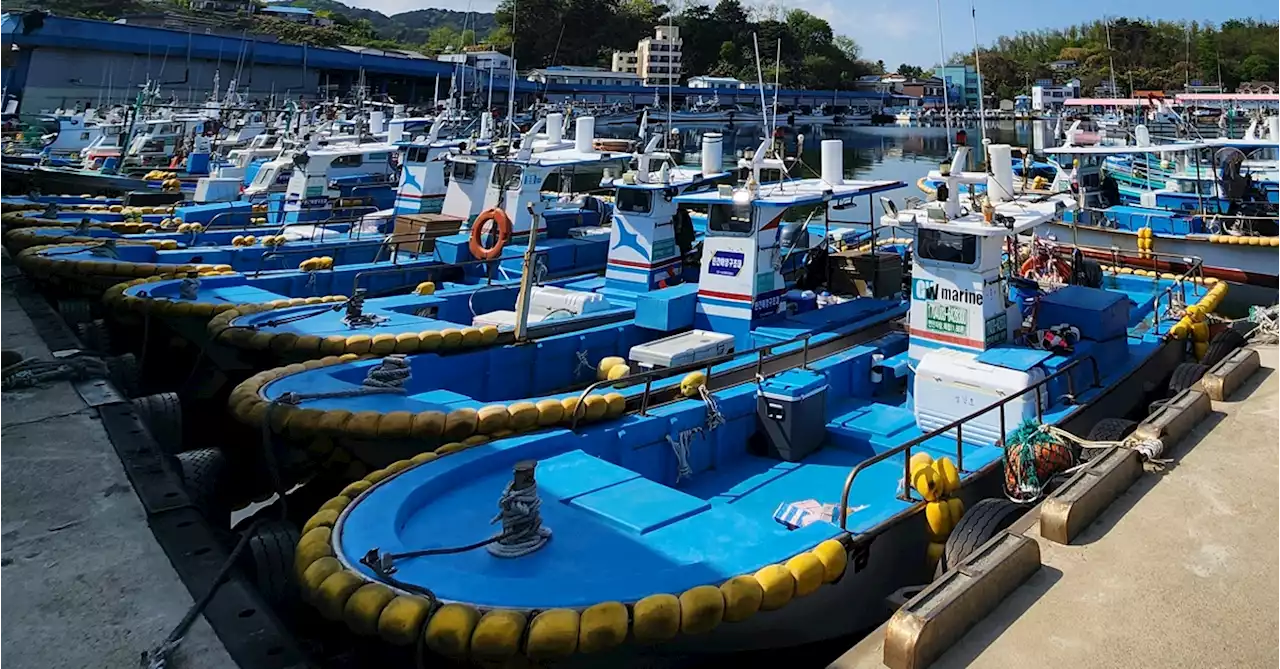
(766,509)
(1210,217)
(565,337)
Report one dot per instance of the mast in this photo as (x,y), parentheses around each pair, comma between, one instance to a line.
(977,64)
(946,102)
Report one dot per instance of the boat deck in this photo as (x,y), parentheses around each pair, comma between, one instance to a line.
(87,584)
(1180,570)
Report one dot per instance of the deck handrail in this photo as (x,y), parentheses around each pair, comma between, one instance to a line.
(355,285)
(958,426)
(666,372)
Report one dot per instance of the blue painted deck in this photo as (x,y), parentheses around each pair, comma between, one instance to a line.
(344,250)
(547,367)
(625,528)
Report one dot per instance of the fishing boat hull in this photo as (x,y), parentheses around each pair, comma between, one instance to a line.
(1250,267)
(53,180)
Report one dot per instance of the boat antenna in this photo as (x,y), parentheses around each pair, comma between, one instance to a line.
(777,74)
(946,101)
(764,106)
(666,135)
(977,64)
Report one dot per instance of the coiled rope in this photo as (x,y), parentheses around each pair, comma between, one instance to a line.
(392,372)
(522,530)
(33,371)
(189,289)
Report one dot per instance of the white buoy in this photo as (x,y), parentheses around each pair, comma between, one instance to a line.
(833,161)
(585,133)
(1000,182)
(555,127)
(712,153)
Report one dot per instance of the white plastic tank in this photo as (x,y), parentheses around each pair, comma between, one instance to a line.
(555,127)
(712,153)
(547,299)
(951,384)
(833,161)
(1273,128)
(395,131)
(375,121)
(1142,135)
(584,134)
(1000,182)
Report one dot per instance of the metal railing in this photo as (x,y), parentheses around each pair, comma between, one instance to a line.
(1194,267)
(958,426)
(706,365)
(441,267)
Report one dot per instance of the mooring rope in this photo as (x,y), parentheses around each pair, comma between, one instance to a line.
(392,372)
(522,529)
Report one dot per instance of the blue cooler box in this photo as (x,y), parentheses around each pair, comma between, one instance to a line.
(1099,314)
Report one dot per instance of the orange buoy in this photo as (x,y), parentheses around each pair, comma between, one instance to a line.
(499,217)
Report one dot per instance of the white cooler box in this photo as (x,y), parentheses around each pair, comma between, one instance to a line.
(682,349)
(951,384)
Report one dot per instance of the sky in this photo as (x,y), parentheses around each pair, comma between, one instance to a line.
(906,31)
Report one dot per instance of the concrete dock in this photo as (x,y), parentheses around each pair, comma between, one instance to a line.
(84,582)
(1179,571)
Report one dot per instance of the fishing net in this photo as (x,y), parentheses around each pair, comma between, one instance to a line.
(1031,456)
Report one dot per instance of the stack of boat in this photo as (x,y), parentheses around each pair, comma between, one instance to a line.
(687,449)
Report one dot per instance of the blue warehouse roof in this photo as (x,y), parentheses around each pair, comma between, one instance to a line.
(85,34)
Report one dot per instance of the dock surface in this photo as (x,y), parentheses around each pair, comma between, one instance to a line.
(1180,570)
(84,582)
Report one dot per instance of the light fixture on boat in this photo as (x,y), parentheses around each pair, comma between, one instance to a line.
(888,207)
(741,196)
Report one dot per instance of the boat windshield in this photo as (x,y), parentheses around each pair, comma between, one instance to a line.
(730,219)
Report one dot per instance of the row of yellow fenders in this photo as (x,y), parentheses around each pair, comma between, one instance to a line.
(31,260)
(464,631)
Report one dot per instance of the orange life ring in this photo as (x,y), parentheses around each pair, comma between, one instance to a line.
(498,216)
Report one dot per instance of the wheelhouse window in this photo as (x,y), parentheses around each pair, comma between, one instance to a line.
(506,176)
(353,160)
(635,200)
(947,247)
(462,170)
(730,219)
(416,154)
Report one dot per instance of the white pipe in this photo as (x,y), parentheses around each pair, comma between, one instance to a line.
(555,127)
(585,132)
(833,161)
(1000,181)
(712,153)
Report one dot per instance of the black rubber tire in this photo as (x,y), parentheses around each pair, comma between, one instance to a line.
(202,474)
(1184,376)
(1107,429)
(75,311)
(123,370)
(162,415)
(1222,345)
(268,562)
(979,523)
(94,336)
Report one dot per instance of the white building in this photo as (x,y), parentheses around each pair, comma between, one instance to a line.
(656,59)
(483,61)
(714,82)
(583,76)
(1045,96)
